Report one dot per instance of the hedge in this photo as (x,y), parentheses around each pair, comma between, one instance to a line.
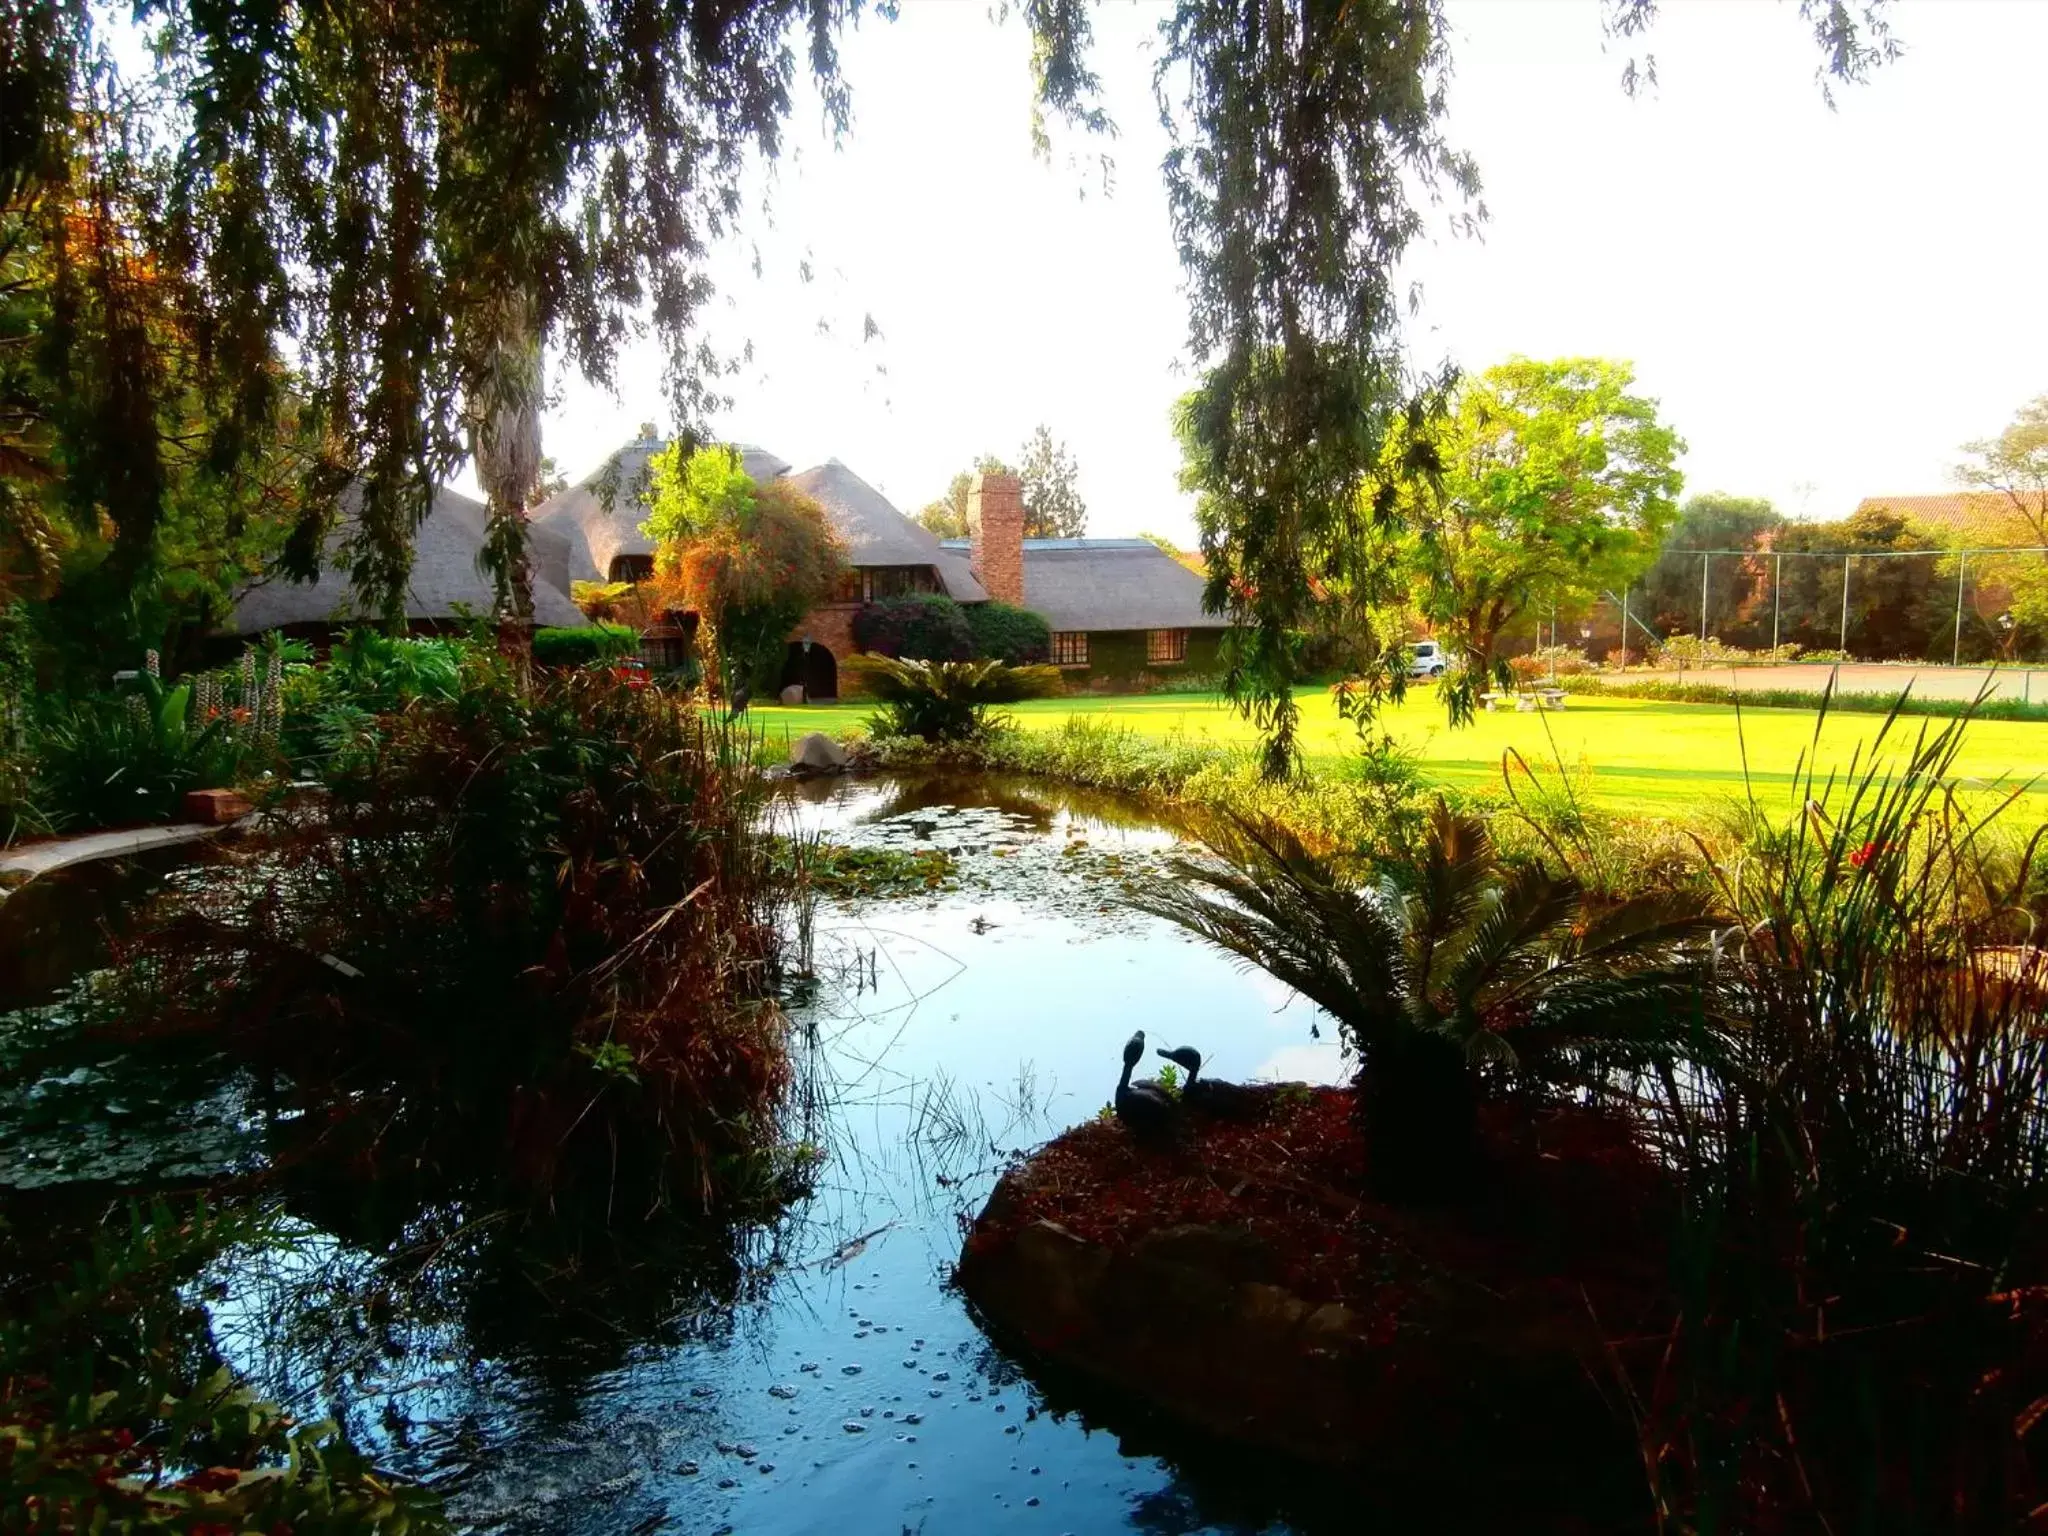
(920,627)
(1009,634)
(582,647)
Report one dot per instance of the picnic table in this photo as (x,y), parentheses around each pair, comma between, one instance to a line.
(1526,699)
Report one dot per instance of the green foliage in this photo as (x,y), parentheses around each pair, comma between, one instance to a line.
(947,517)
(919,626)
(367,674)
(584,647)
(1896,605)
(1550,481)
(691,493)
(945,700)
(1904,702)
(1005,633)
(116,1412)
(849,874)
(110,760)
(1451,975)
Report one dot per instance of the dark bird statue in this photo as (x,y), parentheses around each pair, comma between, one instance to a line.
(736,702)
(1206,1096)
(1148,1109)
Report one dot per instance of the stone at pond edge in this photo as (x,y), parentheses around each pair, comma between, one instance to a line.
(815,752)
(1190,1320)
(216,807)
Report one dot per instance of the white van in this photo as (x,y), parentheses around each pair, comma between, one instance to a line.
(1426,658)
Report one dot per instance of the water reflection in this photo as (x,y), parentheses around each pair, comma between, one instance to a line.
(819,1373)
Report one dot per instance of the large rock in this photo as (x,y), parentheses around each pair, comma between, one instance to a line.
(815,752)
(793,694)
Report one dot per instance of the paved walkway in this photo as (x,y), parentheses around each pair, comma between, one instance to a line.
(20,865)
(2029,685)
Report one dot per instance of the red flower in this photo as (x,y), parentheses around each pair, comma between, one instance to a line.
(1865,854)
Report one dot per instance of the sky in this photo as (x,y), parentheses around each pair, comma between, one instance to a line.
(1826,303)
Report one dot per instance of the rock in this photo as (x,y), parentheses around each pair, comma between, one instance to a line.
(815,752)
(793,694)
(216,807)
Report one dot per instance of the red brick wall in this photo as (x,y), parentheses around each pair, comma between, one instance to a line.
(995,513)
(832,627)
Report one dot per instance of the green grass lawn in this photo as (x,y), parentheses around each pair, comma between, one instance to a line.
(1643,756)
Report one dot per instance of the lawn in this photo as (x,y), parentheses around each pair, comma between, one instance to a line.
(1642,756)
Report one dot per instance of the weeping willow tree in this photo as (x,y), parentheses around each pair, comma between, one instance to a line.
(415,204)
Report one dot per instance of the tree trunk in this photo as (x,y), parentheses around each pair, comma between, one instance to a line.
(1420,1118)
(504,412)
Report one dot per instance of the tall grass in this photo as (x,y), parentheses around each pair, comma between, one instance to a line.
(1860,1268)
(526,936)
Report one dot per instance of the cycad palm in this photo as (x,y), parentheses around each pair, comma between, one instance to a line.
(1457,974)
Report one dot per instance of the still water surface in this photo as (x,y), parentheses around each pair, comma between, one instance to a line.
(823,1376)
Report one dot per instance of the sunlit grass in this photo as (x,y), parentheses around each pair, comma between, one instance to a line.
(1642,755)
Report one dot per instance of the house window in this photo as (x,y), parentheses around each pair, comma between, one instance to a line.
(1165,645)
(1070,648)
(632,568)
(885,581)
(851,588)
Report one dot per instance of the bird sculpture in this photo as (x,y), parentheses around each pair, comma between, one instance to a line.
(1148,1109)
(737,702)
(1207,1096)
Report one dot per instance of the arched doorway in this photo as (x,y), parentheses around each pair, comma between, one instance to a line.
(811,665)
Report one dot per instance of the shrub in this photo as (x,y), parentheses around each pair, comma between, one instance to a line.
(922,626)
(1003,632)
(584,647)
(1454,977)
(945,700)
(117,759)
(525,938)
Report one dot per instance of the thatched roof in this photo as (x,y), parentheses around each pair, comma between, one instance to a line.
(875,533)
(446,573)
(1109,584)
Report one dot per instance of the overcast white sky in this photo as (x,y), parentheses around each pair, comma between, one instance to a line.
(1826,303)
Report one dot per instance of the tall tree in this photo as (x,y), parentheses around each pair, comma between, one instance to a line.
(947,517)
(750,560)
(1053,508)
(1553,484)
(2014,467)
(1738,587)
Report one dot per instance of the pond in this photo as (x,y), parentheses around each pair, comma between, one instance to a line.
(820,1374)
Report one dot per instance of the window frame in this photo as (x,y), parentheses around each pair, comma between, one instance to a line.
(1166,647)
(1070,648)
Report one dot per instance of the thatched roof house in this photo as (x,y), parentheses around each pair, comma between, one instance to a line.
(447,577)
(878,537)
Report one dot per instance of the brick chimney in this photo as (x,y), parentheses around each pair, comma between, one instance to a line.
(995,514)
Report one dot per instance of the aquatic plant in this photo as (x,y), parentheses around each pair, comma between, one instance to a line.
(945,700)
(1453,977)
(525,935)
